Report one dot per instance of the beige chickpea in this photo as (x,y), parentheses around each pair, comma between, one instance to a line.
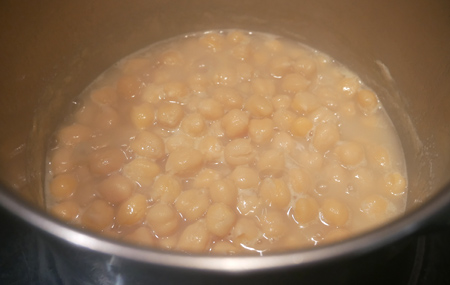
(129,87)
(271,163)
(264,87)
(279,65)
(141,236)
(163,219)
(169,114)
(260,57)
(325,137)
(349,86)
(306,210)
(235,123)
(378,156)
(395,183)
(106,160)
(116,188)
(193,124)
(306,66)
(300,180)
(336,177)
(148,145)
(104,96)
(323,115)
(153,93)
(132,210)
(281,102)
(228,97)
(66,210)
(98,216)
(224,248)
(175,90)
(249,204)
(363,179)
(245,72)
(194,238)
(171,58)
(165,189)
(197,82)
(62,160)
(206,177)
(310,159)
(294,82)
(142,171)
(86,113)
(142,116)
(274,224)
(260,131)
(211,147)
(184,162)
(212,41)
(225,75)
(220,219)
(211,109)
(223,191)
(192,204)
(283,119)
(367,101)
(246,232)
(136,66)
(106,118)
(283,141)
(274,45)
(350,153)
(377,208)
(73,134)
(301,127)
(239,151)
(259,107)
(63,186)
(305,102)
(334,212)
(179,141)
(85,193)
(347,109)
(245,177)
(237,37)
(275,193)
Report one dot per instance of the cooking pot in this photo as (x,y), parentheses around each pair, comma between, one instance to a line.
(51,50)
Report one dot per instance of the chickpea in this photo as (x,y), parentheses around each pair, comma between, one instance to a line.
(271,163)
(300,180)
(225,75)
(279,66)
(213,41)
(153,93)
(163,219)
(281,102)
(169,114)
(244,71)
(246,232)
(220,219)
(305,102)
(350,154)
(261,130)
(98,216)
(377,208)
(179,141)
(237,37)
(238,152)
(259,106)
(192,204)
(283,119)
(228,97)
(311,159)
(273,224)
(132,210)
(86,113)
(129,87)
(197,83)
(334,212)
(141,236)
(367,101)
(206,177)
(106,160)
(349,86)
(194,238)
(378,156)
(116,188)
(175,90)
(211,147)
(235,123)
(63,186)
(171,58)
(224,248)
(62,160)
(305,66)
(67,210)
(363,179)
(184,162)
(260,58)
(294,82)
(148,145)
(301,127)
(142,116)
(275,193)
(264,87)
(107,118)
(165,189)
(323,115)
(142,171)
(211,109)
(306,210)
(104,96)
(85,194)
(73,135)
(223,191)
(193,124)
(283,141)
(325,136)
(245,177)
(249,204)
(395,183)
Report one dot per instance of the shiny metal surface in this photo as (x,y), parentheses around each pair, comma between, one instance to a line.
(51,50)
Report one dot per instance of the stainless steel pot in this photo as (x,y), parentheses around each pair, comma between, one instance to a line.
(51,50)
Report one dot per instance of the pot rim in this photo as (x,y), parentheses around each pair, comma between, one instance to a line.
(358,245)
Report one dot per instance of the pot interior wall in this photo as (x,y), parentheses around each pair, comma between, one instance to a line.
(52,50)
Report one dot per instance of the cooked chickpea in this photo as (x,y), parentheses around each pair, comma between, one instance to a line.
(246,232)
(239,151)
(280,65)
(192,204)
(271,163)
(213,41)
(237,37)
(223,191)
(62,160)
(377,208)
(153,93)
(184,162)
(142,116)
(264,87)
(142,171)
(395,183)
(98,216)
(275,193)
(116,188)
(363,179)
(171,58)
(281,102)
(260,131)
(325,136)
(334,212)
(283,141)
(245,177)
(63,186)
(179,141)
(220,219)
(349,86)
(311,159)
(73,134)
(211,109)
(378,156)
(104,96)
(305,102)
(300,179)
(106,160)
(163,219)
(165,189)
(245,71)
(229,97)
(169,114)
(211,147)
(301,126)
(259,106)
(148,145)
(306,66)
(107,118)
(132,210)
(129,87)
(350,154)
(224,248)
(367,101)
(66,210)
(141,236)
(206,177)
(249,204)
(194,238)
(283,119)
(294,82)
(193,124)
(175,90)
(235,123)
(306,210)
(273,224)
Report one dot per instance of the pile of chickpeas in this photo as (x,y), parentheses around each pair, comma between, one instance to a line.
(226,142)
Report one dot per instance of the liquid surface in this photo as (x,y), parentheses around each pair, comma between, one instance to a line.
(227,142)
